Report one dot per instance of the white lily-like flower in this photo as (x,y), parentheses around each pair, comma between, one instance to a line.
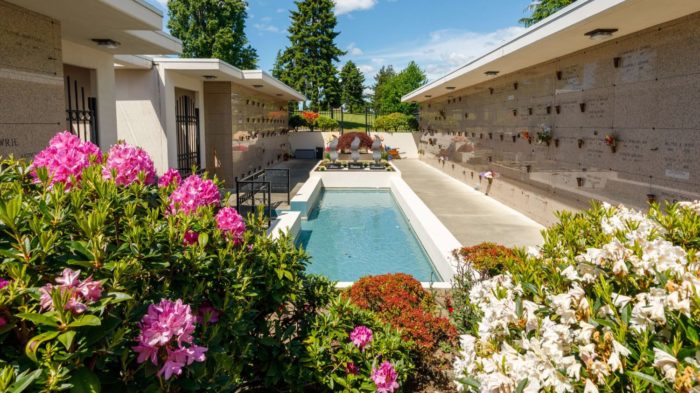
(666,363)
(590,387)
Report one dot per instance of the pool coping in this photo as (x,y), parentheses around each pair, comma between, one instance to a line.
(437,241)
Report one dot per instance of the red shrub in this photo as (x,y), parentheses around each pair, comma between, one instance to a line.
(400,300)
(346,139)
(487,257)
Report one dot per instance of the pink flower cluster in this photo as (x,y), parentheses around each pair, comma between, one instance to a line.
(193,193)
(166,330)
(230,223)
(3,283)
(80,292)
(384,378)
(190,238)
(171,176)
(209,313)
(65,158)
(128,161)
(361,336)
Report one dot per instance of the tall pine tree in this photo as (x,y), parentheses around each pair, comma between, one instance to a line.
(212,28)
(308,64)
(352,86)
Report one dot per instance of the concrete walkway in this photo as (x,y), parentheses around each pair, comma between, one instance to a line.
(471,216)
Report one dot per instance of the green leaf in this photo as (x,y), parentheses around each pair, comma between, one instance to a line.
(39,319)
(86,320)
(23,381)
(649,379)
(203,239)
(471,382)
(521,386)
(85,381)
(118,297)
(34,342)
(692,335)
(67,339)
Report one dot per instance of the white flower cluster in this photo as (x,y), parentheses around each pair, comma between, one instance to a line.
(555,345)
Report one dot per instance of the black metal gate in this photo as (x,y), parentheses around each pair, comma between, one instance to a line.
(187,126)
(81,112)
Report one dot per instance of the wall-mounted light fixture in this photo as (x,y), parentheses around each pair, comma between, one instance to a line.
(428,96)
(601,34)
(582,106)
(491,73)
(559,75)
(106,43)
(515,86)
(617,61)
(257,86)
(491,90)
(450,87)
(209,77)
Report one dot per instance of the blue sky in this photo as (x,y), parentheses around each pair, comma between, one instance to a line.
(440,35)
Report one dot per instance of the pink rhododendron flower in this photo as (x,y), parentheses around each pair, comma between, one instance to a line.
(81,293)
(385,378)
(171,176)
(3,322)
(166,330)
(128,161)
(351,368)
(361,336)
(206,310)
(65,159)
(193,193)
(191,238)
(230,223)
(3,283)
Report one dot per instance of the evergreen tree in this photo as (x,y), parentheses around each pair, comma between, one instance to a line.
(308,63)
(385,74)
(212,28)
(542,9)
(352,86)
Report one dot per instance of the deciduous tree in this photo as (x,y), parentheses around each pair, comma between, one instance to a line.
(542,9)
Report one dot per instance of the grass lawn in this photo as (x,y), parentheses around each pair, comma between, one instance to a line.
(354,122)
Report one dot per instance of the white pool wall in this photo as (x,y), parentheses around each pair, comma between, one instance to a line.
(437,241)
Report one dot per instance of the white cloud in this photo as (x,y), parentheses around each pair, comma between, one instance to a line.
(347,6)
(440,52)
(354,50)
(281,10)
(266,27)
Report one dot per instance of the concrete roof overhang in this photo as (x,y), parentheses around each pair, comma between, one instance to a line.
(135,24)
(558,35)
(215,70)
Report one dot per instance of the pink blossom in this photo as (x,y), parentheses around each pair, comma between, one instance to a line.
(351,368)
(361,336)
(171,176)
(385,378)
(3,321)
(128,161)
(190,238)
(167,330)
(3,283)
(80,292)
(208,312)
(193,193)
(230,223)
(65,159)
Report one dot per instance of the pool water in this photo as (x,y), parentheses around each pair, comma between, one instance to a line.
(355,233)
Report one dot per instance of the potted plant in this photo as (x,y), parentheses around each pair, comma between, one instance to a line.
(611,141)
(544,135)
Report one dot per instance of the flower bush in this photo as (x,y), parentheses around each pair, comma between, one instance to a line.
(401,301)
(170,177)
(140,288)
(608,303)
(354,351)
